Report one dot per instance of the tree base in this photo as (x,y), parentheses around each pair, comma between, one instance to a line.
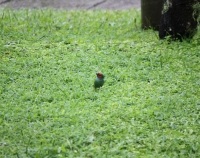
(178,19)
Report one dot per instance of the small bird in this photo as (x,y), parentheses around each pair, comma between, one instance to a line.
(99,81)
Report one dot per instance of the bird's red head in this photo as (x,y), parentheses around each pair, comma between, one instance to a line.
(100,75)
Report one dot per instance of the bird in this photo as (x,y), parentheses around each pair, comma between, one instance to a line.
(99,81)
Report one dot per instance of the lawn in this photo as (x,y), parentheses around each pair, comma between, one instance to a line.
(149,106)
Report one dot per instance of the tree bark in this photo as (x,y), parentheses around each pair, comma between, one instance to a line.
(178,19)
(151,13)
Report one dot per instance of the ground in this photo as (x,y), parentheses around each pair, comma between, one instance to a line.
(72,4)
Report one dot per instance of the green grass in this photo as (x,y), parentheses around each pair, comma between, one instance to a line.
(149,106)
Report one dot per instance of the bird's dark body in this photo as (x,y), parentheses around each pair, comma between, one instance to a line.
(98,83)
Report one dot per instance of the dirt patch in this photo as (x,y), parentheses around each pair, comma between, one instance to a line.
(72,4)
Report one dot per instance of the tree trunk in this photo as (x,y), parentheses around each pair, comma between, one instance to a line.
(178,19)
(151,13)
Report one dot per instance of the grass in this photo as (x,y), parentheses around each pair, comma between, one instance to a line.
(149,106)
